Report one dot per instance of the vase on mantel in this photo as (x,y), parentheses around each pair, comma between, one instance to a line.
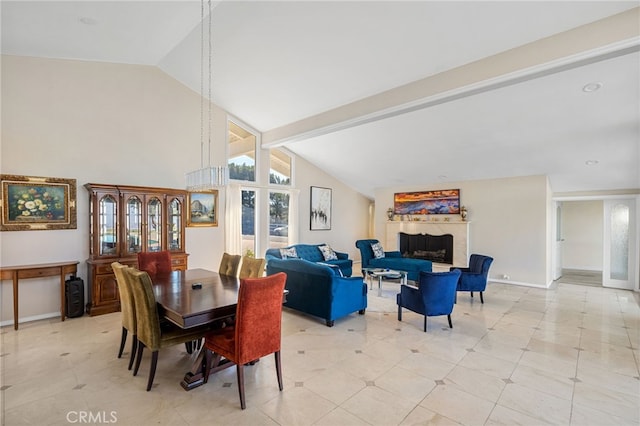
(463,213)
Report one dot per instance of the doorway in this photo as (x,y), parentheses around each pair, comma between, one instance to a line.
(582,244)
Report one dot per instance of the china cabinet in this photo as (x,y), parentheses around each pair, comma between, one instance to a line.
(126,220)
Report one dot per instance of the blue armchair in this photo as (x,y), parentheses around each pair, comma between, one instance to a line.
(435,295)
(391,260)
(474,278)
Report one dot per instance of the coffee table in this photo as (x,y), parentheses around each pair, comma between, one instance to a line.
(381,274)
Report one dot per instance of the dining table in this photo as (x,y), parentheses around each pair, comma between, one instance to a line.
(192,298)
(197,297)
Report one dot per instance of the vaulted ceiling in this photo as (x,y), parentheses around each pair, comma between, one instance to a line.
(383,94)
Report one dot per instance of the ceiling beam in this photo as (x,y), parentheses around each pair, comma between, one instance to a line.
(600,40)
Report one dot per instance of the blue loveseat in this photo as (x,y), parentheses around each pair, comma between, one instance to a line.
(392,260)
(316,289)
(312,253)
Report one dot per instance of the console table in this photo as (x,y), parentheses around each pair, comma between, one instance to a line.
(14,273)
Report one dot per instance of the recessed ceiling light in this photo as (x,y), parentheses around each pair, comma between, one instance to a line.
(591,162)
(592,87)
(87,21)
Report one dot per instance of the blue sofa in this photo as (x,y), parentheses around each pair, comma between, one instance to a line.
(312,253)
(392,260)
(317,290)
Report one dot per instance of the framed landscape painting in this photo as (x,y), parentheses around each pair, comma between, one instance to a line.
(37,203)
(203,208)
(442,201)
(320,218)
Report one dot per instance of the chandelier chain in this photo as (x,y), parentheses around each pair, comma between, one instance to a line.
(201,84)
(209,100)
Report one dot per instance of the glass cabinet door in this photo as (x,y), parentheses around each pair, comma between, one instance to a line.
(133,225)
(107,219)
(154,224)
(174,225)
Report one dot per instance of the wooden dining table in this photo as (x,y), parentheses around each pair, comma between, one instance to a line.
(193,298)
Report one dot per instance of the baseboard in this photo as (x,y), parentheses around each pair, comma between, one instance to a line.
(519,283)
(32,318)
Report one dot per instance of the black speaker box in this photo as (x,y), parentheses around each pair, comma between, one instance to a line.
(74,293)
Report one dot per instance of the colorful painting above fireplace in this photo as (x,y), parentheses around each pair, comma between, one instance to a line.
(442,201)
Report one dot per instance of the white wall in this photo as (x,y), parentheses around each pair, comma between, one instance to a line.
(582,231)
(508,222)
(119,124)
(349,216)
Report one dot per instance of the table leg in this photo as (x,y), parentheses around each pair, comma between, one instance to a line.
(379,285)
(195,376)
(15,300)
(63,301)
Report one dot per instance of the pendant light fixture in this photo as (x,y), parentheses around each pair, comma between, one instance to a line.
(209,177)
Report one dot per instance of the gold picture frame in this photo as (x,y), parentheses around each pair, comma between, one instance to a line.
(202,208)
(31,203)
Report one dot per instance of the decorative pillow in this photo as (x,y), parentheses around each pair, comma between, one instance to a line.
(328,253)
(378,251)
(288,253)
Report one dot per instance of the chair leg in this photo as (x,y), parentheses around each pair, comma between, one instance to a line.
(471,294)
(134,348)
(240,373)
(152,370)
(123,339)
(481,298)
(449,318)
(425,323)
(138,358)
(399,313)
(279,369)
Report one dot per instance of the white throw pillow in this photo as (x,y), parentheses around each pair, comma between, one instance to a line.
(328,253)
(288,253)
(378,251)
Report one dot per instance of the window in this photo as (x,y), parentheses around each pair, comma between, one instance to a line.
(242,153)
(278,219)
(248,222)
(280,167)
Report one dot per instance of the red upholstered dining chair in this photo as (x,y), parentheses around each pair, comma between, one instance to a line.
(256,331)
(154,262)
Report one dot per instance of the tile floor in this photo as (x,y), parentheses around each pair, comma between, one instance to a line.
(566,356)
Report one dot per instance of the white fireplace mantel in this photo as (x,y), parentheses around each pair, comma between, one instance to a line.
(459,230)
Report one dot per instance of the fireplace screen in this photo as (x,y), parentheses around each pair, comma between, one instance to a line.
(436,248)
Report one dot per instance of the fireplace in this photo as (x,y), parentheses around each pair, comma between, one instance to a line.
(436,248)
(459,230)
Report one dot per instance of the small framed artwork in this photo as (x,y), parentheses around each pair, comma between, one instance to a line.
(37,203)
(320,219)
(203,208)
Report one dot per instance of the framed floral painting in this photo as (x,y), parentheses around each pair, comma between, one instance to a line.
(37,203)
